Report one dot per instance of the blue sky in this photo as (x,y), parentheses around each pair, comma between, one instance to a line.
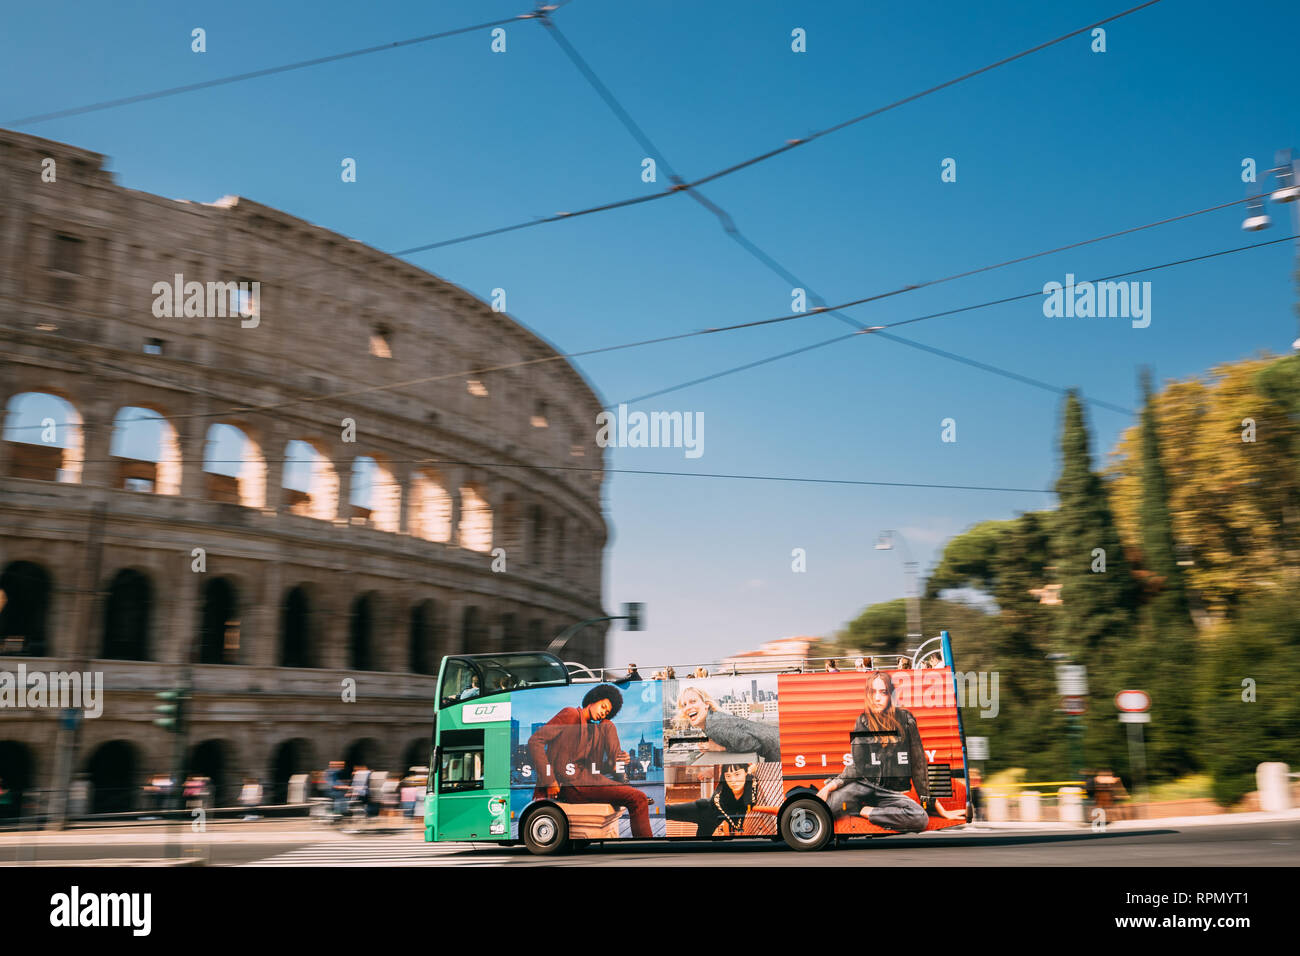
(451,138)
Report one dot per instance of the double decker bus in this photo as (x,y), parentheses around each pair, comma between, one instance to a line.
(531,749)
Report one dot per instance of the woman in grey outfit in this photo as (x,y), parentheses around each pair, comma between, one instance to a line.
(727,731)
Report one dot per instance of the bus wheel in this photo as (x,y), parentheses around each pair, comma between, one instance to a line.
(546,831)
(806,825)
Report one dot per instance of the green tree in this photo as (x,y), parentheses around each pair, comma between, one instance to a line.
(1248,695)
(1164,663)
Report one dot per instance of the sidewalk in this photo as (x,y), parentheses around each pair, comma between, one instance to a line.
(1141,823)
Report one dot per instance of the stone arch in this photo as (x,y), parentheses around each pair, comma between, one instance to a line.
(214,758)
(297,629)
(234,468)
(128,612)
(17,776)
(365,751)
(473,631)
(423,650)
(509,529)
(290,757)
(146,451)
(361,632)
(475,518)
(538,539)
(219,617)
(26,589)
(376,494)
(311,482)
(113,769)
(30,456)
(417,753)
(430,507)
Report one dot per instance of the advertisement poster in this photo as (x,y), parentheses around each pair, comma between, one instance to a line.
(881,747)
(597,750)
(722,756)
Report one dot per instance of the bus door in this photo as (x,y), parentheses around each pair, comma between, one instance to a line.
(471,789)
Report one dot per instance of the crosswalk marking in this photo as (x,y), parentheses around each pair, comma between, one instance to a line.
(385,851)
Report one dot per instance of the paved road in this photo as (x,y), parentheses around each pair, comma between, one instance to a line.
(1253,844)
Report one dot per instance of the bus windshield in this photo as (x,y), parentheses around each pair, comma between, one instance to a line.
(485,674)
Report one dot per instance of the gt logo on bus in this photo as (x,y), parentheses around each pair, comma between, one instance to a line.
(485,713)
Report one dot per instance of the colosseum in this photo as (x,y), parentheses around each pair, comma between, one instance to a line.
(309,476)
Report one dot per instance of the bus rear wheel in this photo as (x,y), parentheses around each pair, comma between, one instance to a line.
(806,825)
(546,831)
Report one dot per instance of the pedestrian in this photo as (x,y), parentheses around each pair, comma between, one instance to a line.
(832,666)
(250,797)
(670,674)
(976,797)
(632,673)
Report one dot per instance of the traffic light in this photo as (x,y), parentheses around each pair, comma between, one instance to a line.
(169,710)
(635,614)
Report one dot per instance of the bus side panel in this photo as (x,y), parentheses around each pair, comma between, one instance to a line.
(823,724)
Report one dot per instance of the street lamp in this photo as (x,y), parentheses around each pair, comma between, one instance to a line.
(885,542)
(1287,174)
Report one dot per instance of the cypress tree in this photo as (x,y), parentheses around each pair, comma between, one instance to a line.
(1158,554)
(1165,661)
(1099,593)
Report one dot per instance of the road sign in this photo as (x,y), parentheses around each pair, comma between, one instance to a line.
(977,748)
(1133,701)
(1074,704)
(1072,680)
(1135,717)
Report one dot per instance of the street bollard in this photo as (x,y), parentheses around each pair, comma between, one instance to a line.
(997,809)
(1274,785)
(1071,805)
(1029,808)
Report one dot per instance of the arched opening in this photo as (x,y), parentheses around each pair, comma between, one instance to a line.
(362,753)
(146,452)
(17,778)
(474,637)
(536,635)
(25,591)
(376,497)
(475,520)
(417,754)
(46,442)
(292,757)
(219,623)
(112,769)
(511,639)
(360,634)
(429,513)
(311,485)
(127,612)
(424,657)
(295,630)
(211,759)
(234,469)
(537,553)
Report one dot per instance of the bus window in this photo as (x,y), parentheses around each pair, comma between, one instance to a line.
(462,762)
(460,681)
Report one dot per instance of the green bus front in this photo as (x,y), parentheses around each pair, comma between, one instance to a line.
(468,796)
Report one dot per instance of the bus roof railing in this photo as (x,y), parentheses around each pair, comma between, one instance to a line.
(792,664)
